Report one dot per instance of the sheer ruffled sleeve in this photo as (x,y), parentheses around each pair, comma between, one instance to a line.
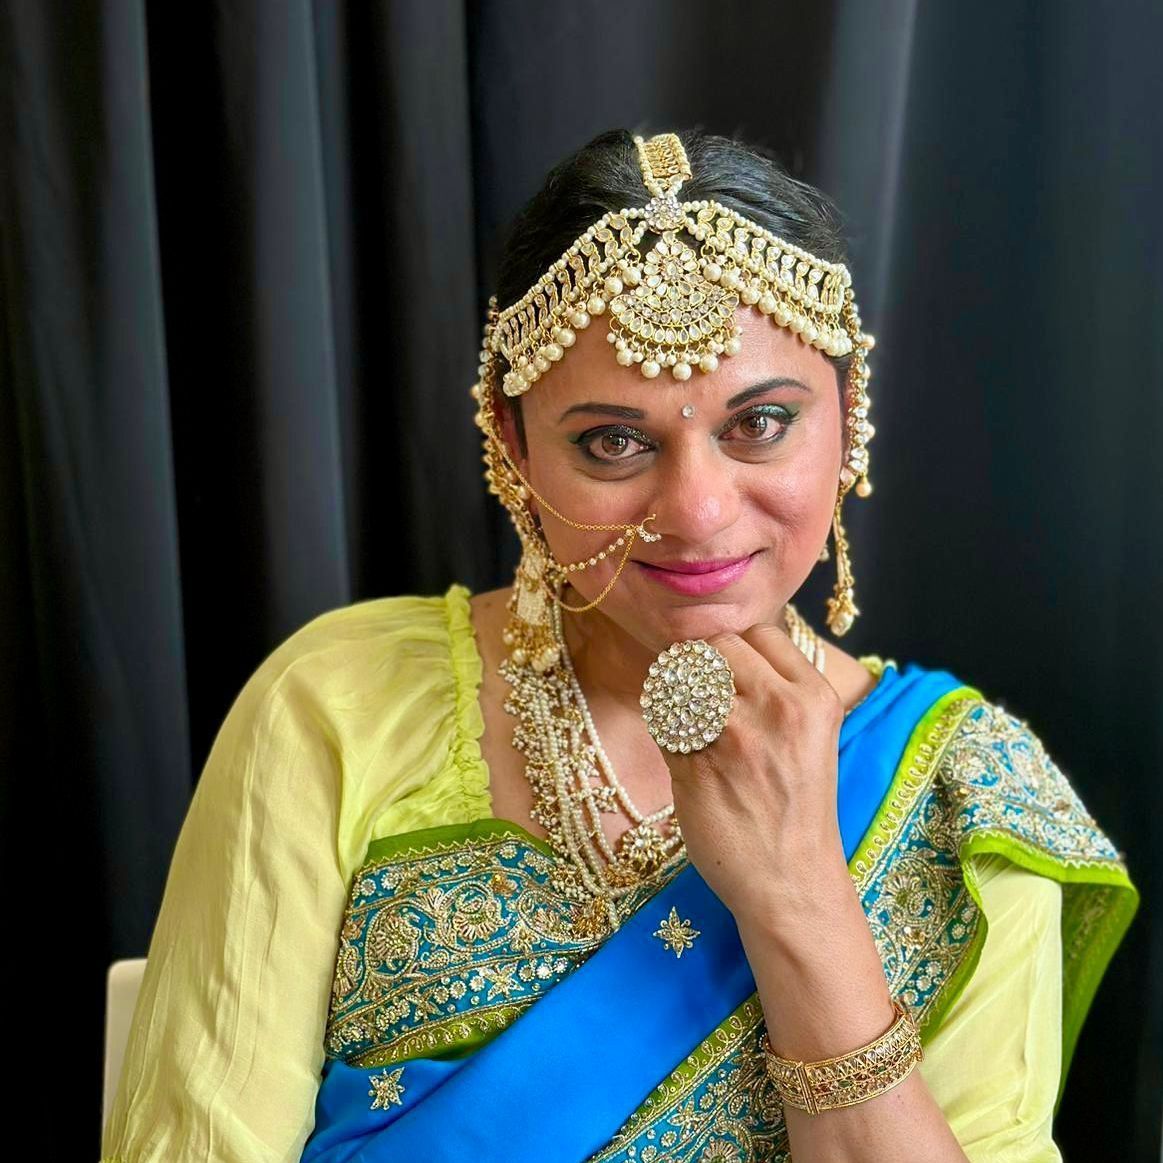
(993,1066)
(363,723)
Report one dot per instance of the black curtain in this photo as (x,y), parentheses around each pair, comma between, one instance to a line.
(244,254)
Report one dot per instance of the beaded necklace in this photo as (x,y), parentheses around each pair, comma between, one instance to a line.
(574,782)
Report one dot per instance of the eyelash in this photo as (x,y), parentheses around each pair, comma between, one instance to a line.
(768,411)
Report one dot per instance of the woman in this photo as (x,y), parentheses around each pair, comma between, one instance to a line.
(566,871)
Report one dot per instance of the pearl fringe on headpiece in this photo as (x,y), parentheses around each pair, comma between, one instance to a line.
(675,309)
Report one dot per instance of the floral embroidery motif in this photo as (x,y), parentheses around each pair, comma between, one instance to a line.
(721,1151)
(386,1090)
(446,942)
(676,935)
(718,1104)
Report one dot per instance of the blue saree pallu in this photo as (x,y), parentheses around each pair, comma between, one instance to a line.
(544,1088)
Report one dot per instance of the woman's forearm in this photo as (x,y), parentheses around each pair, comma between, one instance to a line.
(823,992)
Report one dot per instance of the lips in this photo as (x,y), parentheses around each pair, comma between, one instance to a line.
(710,565)
(696,578)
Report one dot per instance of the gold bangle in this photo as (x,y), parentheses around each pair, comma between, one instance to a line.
(850,1078)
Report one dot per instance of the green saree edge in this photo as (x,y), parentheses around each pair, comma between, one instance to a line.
(1086,973)
(485,1024)
(895,798)
(441,835)
(1078,991)
(912,778)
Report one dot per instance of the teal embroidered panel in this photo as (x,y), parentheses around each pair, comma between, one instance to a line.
(444,941)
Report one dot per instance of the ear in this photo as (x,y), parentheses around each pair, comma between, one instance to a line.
(512,434)
(508,420)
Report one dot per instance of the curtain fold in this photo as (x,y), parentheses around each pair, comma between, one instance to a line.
(245,250)
(99,758)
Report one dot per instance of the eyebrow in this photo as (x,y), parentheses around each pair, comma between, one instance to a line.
(625,413)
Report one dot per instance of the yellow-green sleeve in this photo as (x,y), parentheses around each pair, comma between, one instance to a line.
(362,723)
(993,1064)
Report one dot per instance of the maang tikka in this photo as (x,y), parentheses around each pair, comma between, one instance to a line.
(673,310)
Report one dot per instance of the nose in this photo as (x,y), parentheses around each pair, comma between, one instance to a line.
(697,495)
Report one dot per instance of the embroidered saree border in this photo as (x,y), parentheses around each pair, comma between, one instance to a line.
(972,779)
(1033,817)
(450,933)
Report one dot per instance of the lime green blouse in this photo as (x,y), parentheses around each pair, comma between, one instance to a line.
(365,724)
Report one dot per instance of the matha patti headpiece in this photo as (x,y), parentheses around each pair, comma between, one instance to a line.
(673,310)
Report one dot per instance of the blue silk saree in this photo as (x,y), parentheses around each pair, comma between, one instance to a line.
(469,1021)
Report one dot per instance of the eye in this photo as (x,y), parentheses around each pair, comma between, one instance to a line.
(763,425)
(613,444)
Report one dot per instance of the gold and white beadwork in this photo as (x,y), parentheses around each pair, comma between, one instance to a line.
(675,308)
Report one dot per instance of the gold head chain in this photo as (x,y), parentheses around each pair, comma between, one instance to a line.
(673,310)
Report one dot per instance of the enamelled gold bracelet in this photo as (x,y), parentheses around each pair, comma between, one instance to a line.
(850,1078)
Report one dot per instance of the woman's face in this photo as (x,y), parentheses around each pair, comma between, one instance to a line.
(751,477)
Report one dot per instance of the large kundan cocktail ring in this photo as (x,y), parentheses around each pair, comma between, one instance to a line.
(687,696)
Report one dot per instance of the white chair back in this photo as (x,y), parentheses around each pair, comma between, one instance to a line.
(121,989)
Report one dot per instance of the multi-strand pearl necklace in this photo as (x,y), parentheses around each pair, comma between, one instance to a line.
(574,783)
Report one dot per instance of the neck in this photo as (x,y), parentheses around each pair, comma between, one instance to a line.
(607,660)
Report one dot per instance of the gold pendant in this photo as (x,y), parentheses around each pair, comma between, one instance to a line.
(674,315)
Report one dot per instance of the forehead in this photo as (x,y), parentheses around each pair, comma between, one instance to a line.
(589,371)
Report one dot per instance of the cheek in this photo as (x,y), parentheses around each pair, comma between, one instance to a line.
(796,500)
(793,514)
(586,502)
(799,485)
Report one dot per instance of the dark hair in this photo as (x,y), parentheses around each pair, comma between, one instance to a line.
(604,175)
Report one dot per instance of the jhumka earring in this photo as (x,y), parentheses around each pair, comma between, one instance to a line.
(841,606)
(673,309)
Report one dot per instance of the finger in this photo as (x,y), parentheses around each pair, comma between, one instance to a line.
(752,671)
(773,643)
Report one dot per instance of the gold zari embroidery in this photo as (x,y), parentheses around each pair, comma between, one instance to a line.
(386,1090)
(446,942)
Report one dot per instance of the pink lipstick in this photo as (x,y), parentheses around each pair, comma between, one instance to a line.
(696,578)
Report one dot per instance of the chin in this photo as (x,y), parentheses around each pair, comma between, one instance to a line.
(701,619)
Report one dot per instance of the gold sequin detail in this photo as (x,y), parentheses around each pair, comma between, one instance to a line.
(676,934)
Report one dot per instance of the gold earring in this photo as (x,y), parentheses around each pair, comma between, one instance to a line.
(842,611)
(824,554)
